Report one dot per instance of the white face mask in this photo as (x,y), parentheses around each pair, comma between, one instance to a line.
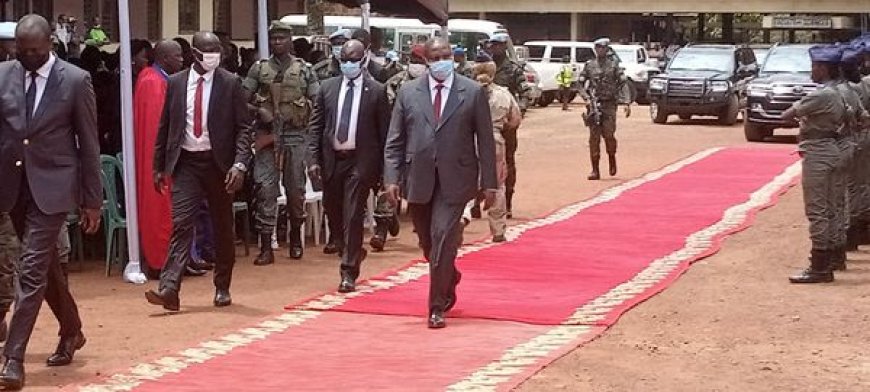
(210,61)
(416,70)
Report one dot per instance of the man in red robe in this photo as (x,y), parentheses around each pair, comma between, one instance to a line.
(155,217)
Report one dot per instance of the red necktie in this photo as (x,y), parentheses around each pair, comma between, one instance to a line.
(437,104)
(197,109)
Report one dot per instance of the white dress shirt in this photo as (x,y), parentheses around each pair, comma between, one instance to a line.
(44,72)
(191,142)
(350,144)
(445,91)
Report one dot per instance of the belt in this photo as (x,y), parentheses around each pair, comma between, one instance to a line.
(199,155)
(344,154)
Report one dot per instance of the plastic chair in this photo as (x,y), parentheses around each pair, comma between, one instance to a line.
(240,206)
(314,216)
(73,222)
(114,224)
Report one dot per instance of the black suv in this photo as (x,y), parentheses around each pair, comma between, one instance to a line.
(703,80)
(784,79)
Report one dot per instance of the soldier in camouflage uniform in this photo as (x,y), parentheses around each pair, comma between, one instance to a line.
(603,77)
(509,74)
(463,67)
(822,115)
(329,67)
(10,249)
(285,85)
(266,190)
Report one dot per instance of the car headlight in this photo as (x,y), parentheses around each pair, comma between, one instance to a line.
(719,86)
(657,84)
(758,90)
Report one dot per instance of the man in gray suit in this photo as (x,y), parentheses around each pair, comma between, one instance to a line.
(441,143)
(50,165)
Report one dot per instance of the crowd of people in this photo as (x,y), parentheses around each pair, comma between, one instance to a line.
(213,125)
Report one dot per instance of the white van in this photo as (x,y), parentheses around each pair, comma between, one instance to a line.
(546,58)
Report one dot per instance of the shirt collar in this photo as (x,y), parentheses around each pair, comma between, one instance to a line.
(447,83)
(194,76)
(356,82)
(161,71)
(45,70)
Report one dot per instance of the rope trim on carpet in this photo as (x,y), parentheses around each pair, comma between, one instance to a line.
(515,361)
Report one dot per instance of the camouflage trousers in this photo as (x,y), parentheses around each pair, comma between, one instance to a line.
(293,176)
(607,130)
(824,189)
(10,249)
(266,190)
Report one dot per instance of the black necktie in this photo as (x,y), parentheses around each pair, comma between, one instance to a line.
(344,123)
(30,96)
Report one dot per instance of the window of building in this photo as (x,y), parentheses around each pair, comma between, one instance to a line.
(188,16)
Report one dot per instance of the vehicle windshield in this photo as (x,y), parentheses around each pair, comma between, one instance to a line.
(786,59)
(703,59)
(760,55)
(626,55)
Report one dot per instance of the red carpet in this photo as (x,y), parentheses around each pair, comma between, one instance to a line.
(557,283)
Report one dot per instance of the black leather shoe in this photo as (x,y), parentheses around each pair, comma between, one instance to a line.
(436,321)
(166,298)
(200,265)
(346,286)
(394,227)
(12,376)
(66,349)
(594,176)
(222,298)
(266,256)
(377,242)
(331,248)
(190,271)
(296,252)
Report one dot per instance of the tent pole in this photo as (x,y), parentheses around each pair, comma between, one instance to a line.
(133,272)
(263,29)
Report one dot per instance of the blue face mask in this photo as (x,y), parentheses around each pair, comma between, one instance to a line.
(351,69)
(336,51)
(441,69)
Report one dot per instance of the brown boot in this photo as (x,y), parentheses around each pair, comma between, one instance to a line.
(596,174)
(611,160)
(819,271)
(266,256)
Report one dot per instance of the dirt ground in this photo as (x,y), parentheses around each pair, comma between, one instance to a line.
(731,323)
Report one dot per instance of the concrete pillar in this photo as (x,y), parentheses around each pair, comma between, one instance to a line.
(206,15)
(169,18)
(575,22)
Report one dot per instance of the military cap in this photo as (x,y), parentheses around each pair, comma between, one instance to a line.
(341,33)
(279,25)
(851,54)
(482,57)
(826,53)
(7,30)
(458,51)
(500,38)
(603,41)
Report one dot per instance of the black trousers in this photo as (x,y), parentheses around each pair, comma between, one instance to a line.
(344,197)
(39,275)
(439,231)
(511,143)
(197,178)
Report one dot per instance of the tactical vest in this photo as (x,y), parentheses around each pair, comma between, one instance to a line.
(286,95)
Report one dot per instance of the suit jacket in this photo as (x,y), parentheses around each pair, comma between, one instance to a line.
(371,128)
(458,152)
(229,122)
(59,150)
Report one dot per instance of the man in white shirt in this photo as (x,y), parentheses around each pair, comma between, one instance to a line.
(204,144)
(348,129)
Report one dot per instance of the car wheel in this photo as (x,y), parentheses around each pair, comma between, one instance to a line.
(546,99)
(755,132)
(730,111)
(658,114)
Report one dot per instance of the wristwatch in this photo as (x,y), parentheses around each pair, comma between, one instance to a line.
(240,166)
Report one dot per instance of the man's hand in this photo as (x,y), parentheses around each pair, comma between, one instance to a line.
(392,191)
(160,184)
(627,111)
(234,181)
(314,173)
(488,199)
(90,220)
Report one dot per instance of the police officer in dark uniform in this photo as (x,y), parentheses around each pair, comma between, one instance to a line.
(508,74)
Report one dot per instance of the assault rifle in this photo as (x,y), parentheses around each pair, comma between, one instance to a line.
(593,115)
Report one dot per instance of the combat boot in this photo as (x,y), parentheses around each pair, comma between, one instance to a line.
(266,256)
(394,226)
(379,239)
(595,175)
(819,271)
(295,240)
(838,259)
(611,160)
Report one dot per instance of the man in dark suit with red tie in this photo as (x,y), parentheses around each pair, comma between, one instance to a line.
(49,165)
(204,145)
(348,129)
(441,143)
